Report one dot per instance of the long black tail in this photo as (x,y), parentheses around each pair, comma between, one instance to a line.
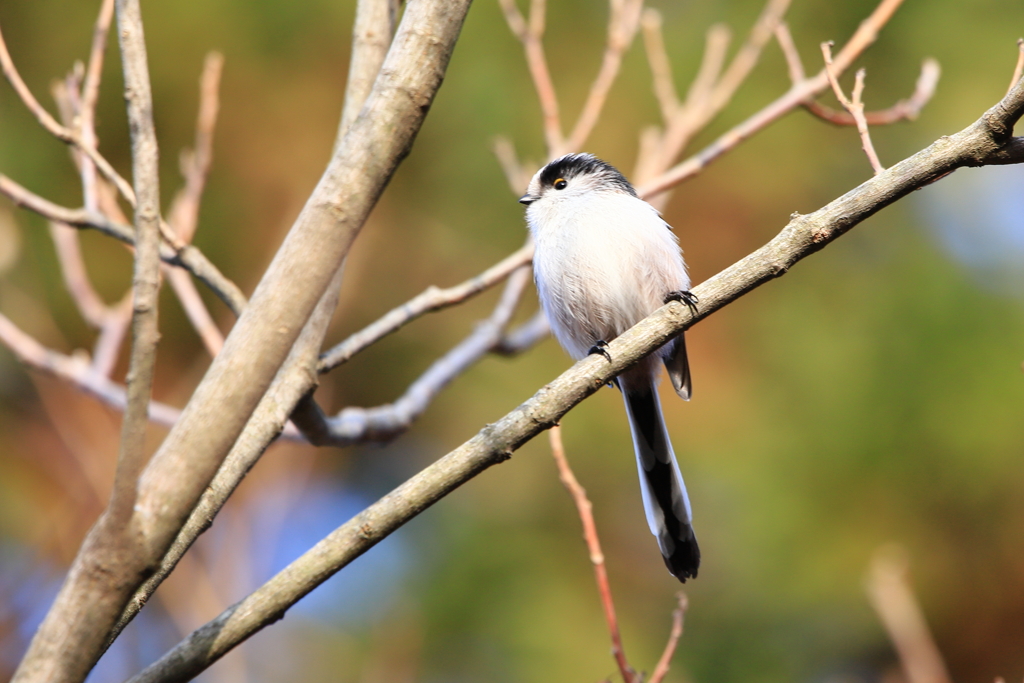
(665,500)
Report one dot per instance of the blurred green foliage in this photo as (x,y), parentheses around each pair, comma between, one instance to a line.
(874,394)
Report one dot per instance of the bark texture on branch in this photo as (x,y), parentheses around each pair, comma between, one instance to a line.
(99,586)
(987,141)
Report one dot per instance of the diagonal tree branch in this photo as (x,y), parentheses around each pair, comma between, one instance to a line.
(987,141)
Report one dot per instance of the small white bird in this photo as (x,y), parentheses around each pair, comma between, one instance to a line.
(605,260)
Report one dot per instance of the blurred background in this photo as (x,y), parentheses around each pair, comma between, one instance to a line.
(875,394)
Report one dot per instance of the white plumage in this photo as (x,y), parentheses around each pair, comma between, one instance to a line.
(605,260)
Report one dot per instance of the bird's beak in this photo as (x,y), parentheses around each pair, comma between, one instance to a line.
(527,199)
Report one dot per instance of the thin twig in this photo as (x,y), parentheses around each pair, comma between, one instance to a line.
(382,423)
(678,614)
(530,34)
(854,105)
(76,371)
(188,257)
(661,67)
(811,87)
(517,176)
(794,64)
(195,165)
(622,25)
(146,277)
(894,602)
(60,132)
(524,337)
(1018,70)
(90,95)
(904,110)
(585,510)
(430,300)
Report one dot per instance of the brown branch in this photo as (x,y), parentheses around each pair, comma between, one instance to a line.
(517,176)
(430,300)
(623,22)
(904,110)
(382,423)
(146,277)
(90,95)
(585,510)
(1018,70)
(855,106)
(710,91)
(188,257)
(661,67)
(678,614)
(195,165)
(530,34)
(524,337)
(794,97)
(76,371)
(60,132)
(988,140)
(890,594)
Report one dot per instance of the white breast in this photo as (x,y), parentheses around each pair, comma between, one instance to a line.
(604,260)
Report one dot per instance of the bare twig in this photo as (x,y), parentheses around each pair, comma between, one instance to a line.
(894,601)
(988,140)
(525,336)
(855,106)
(661,67)
(1019,68)
(678,614)
(585,510)
(184,214)
(430,300)
(195,165)
(75,370)
(795,97)
(60,132)
(381,423)
(904,110)
(794,64)
(90,95)
(72,267)
(530,34)
(188,257)
(517,176)
(622,25)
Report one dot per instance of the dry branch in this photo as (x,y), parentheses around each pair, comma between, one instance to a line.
(586,512)
(854,105)
(796,96)
(188,257)
(101,584)
(987,141)
(382,423)
(430,300)
(894,602)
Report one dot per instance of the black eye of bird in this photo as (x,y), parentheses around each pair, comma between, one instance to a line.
(560,184)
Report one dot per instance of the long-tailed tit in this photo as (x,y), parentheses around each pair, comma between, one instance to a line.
(604,260)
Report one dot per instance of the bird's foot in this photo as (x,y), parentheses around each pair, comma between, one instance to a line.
(600,348)
(684,296)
